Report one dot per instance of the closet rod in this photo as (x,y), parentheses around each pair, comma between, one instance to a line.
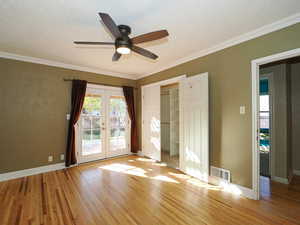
(109,85)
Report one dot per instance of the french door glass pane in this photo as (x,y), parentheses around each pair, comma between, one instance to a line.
(91,125)
(117,117)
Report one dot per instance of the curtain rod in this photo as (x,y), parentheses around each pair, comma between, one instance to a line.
(110,85)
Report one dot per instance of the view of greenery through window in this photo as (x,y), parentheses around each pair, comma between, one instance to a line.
(117,117)
(92,117)
(93,123)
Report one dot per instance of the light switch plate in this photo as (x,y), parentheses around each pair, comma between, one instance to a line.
(68,116)
(242,110)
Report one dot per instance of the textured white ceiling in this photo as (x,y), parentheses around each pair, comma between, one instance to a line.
(47,29)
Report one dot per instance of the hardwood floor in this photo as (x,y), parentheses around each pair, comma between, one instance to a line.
(133,190)
(171,161)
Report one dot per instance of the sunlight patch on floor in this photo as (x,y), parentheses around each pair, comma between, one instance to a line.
(117,167)
(146,173)
(231,188)
(201,184)
(159,164)
(145,160)
(165,178)
(179,175)
(136,171)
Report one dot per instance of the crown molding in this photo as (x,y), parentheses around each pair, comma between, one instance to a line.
(30,59)
(288,21)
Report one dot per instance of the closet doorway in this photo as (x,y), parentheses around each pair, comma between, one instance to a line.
(190,124)
(169,111)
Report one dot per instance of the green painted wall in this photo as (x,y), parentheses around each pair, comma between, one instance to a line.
(230,87)
(34,101)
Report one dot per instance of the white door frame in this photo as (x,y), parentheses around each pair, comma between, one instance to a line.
(255,110)
(160,83)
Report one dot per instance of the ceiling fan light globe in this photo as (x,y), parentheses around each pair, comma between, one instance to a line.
(123,50)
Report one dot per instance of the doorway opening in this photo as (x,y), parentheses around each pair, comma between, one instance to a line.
(265,123)
(192,128)
(169,111)
(277,113)
(103,128)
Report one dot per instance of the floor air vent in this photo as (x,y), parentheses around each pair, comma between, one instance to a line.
(220,173)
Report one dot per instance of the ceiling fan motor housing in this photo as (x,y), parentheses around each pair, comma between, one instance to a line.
(124,29)
(124,40)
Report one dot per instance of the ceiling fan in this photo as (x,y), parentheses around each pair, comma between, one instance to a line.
(123,43)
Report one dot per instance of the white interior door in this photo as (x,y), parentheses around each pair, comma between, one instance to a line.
(151,121)
(103,127)
(194,126)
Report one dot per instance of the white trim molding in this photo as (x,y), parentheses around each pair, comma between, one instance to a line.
(255,64)
(296,172)
(165,82)
(30,59)
(286,22)
(32,171)
(233,188)
(280,180)
(140,153)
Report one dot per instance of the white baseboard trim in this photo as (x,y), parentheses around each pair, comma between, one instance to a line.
(296,172)
(32,171)
(233,188)
(280,180)
(140,153)
(246,192)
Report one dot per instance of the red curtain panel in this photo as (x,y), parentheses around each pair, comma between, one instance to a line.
(78,94)
(129,97)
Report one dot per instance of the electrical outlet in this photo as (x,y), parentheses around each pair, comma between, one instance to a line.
(62,157)
(242,110)
(50,158)
(68,116)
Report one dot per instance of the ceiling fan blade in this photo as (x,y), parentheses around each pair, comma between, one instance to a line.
(110,24)
(92,43)
(116,56)
(144,52)
(150,36)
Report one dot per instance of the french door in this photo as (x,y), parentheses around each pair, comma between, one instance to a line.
(103,127)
